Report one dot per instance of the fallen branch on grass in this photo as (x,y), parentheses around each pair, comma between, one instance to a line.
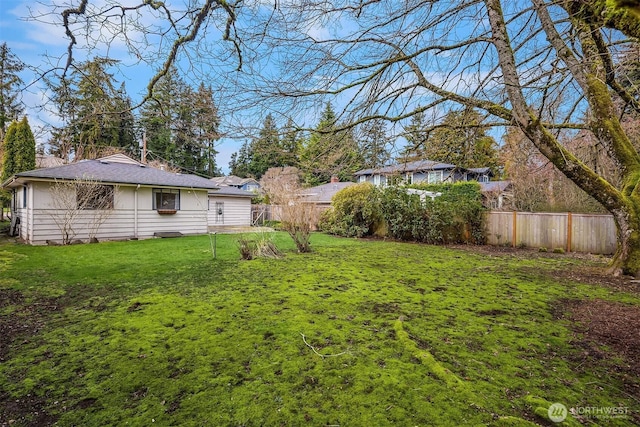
(316,351)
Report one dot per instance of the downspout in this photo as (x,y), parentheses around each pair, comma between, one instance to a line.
(30,210)
(135,212)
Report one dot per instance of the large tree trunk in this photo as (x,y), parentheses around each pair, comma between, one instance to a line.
(591,72)
(627,257)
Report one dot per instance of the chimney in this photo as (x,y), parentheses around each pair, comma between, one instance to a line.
(334,179)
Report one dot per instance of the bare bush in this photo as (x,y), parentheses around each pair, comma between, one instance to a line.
(261,246)
(283,187)
(83,202)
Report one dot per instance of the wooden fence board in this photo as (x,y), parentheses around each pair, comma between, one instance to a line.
(569,231)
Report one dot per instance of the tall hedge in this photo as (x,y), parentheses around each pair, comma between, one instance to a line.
(19,149)
(456,216)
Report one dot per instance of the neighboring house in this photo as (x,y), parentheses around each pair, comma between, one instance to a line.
(497,195)
(142,201)
(246,184)
(44,161)
(427,171)
(321,195)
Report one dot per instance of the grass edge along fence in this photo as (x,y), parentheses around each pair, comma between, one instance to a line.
(572,232)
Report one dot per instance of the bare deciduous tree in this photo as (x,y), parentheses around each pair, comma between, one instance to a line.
(546,68)
(282,185)
(81,204)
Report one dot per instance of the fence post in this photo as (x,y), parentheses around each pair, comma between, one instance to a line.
(569,233)
(515,229)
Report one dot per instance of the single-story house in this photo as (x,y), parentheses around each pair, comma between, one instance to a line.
(321,195)
(246,184)
(428,171)
(116,197)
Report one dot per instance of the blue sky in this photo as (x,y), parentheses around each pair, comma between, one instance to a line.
(43,46)
(42,43)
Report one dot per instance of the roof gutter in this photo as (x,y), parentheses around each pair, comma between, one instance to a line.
(9,182)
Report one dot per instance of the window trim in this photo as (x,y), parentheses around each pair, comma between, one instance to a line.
(437,175)
(160,190)
(408,178)
(90,203)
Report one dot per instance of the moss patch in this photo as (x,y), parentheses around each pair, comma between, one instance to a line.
(355,333)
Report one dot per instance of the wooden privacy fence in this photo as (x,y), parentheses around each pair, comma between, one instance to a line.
(570,231)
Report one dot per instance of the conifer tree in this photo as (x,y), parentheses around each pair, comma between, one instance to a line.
(10,105)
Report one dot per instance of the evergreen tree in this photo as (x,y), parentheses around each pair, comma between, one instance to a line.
(19,154)
(291,141)
(9,152)
(239,164)
(128,139)
(329,152)
(158,117)
(462,141)
(181,125)
(8,163)
(185,148)
(25,153)
(97,114)
(266,151)
(374,144)
(207,123)
(416,137)
(10,106)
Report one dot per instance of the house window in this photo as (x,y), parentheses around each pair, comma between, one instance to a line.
(362,178)
(408,178)
(94,196)
(434,177)
(24,196)
(166,198)
(376,179)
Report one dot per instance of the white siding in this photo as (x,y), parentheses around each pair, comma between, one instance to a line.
(236,212)
(120,223)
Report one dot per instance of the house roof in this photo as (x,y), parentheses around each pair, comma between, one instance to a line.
(117,169)
(479,170)
(415,166)
(43,161)
(325,192)
(494,186)
(232,180)
(231,191)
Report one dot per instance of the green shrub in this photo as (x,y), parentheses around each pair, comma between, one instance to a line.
(403,214)
(456,216)
(355,213)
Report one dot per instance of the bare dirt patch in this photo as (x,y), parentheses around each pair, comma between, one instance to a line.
(602,328)
(593,272)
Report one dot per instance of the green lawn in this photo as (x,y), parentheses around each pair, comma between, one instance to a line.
(357,333)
